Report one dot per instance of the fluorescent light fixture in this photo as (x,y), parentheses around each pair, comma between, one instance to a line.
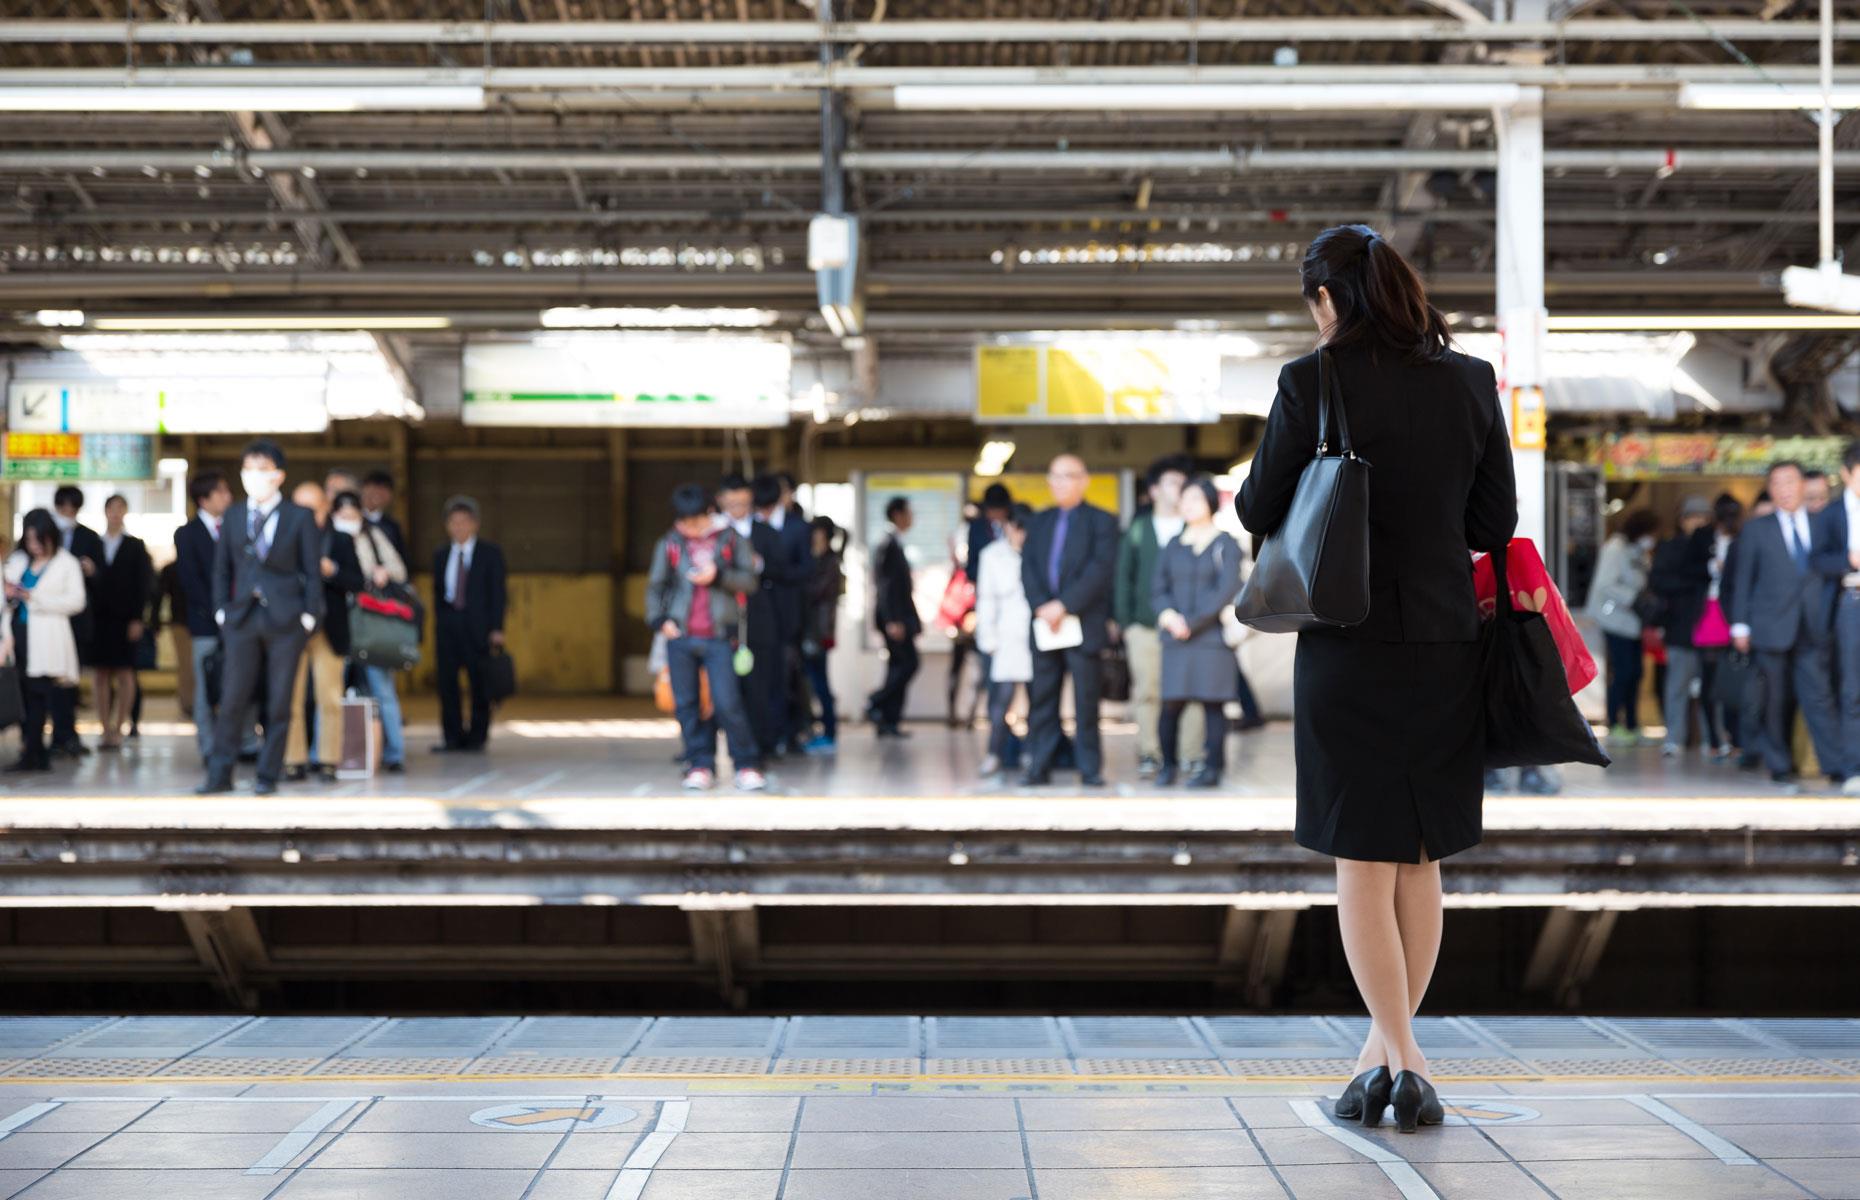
(832,241)
(60,318)
(657,318)
(262,324)
(993,458)
(240,98)
(1762,96)
(1822,287)
(1201,97)
(1654,322)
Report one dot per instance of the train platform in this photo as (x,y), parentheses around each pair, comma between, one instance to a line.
(936,1108)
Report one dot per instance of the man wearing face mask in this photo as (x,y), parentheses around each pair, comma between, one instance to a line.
(267,576)
(85,545)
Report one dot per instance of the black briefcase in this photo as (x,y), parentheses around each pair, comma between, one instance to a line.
(500,677)
(1531,720)
(1313,572)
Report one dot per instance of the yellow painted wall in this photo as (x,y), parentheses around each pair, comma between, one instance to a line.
(559,629)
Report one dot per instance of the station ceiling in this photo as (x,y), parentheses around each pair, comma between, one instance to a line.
(618,167)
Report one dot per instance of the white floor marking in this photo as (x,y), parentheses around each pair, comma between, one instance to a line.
(298,1140)
(475,781)
(1726,1152)
(26,1115)
(637,1171)
(534,786)
(1405,1178)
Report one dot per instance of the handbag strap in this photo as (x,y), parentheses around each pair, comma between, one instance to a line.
(1330,393)
(1501,587)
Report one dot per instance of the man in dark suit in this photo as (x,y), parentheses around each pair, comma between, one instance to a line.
(194,546)
(1068,567)
(795,550)
(763,694)
(377,500)
(268,593)
(86,545)
(1837,559)
(895,614)
(1781,610)
(470,596)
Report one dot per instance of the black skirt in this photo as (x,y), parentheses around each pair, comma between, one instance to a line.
(1390,745)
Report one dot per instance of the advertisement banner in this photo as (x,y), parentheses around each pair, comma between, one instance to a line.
(62,457)
(1662,455)
(1104,379)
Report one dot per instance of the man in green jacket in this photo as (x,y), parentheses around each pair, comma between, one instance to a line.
(1137,556)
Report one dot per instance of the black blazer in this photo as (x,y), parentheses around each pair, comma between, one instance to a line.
(339,548)
(287,584)
(1440,481)
(1087,568)
(193,568)
(891,577)
(485,592)
(1681,577)
(788,575)
(86,542)
(1830,558)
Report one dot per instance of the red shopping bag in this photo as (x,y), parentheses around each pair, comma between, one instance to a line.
(958,600)
(1532,589)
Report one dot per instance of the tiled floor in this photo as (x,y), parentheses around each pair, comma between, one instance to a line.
(1641,1126)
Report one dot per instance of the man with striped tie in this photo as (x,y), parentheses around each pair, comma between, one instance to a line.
(268,593)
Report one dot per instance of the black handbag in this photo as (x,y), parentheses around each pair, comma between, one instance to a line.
(1313,572)
(500,677)
(213,674)
(1531,720)
(1114,674)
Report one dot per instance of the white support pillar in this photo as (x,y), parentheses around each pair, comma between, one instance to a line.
(1521,313)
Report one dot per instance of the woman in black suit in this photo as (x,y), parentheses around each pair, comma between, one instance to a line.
(123,587)
(1387,717)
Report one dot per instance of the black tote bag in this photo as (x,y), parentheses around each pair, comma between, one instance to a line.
(1313,573)
(1531,720)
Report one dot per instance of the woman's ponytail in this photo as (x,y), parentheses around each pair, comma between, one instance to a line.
(1378,296)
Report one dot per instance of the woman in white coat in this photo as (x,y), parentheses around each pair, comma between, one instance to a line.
(1004,632)
(44,590)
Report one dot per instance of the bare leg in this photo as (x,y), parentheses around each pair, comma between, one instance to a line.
(124,694)
(1373,944)
(1418,916)
(102,682)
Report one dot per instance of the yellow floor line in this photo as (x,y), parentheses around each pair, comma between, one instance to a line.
(799,1080)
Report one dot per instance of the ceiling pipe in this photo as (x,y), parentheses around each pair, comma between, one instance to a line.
(1164,217)
(847,74)
(1233,161)
(805,33)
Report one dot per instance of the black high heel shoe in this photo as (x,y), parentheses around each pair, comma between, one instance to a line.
(1365,1098)
(1415,1102)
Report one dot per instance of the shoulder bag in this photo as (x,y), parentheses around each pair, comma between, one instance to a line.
(1313,573)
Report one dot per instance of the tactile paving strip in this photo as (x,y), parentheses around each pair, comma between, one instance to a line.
(846,1066)
(661,1064)
(1151,1066)
(1314,1068)
(87,1068)
(543,1064)
(195,1066)
(997,1066)
(362,1064)
(1754,1066)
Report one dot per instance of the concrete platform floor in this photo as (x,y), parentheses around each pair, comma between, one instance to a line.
(495,1109)
(550,749)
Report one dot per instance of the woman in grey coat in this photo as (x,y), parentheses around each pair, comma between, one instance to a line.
(1197,578)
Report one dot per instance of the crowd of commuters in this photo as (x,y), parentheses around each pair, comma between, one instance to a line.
(743,598)
(258,600)
(1751,620)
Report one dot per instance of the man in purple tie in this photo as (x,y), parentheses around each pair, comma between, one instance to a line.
(1068,568)
(267,600)
(468,579)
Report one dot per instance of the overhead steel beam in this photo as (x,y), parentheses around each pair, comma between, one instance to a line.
(849,74)
(1159,218)
(1236,159)
(1472,28)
